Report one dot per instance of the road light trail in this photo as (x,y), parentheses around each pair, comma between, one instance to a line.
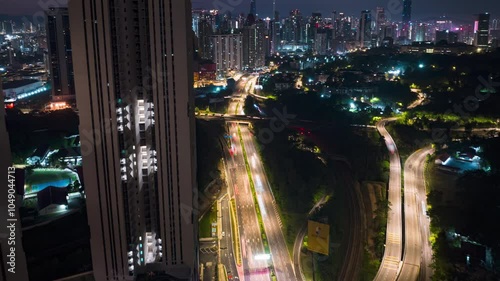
(251,242)
(391,261)
(417,255)
(279,252)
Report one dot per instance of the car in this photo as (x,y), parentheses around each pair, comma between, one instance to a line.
(223,234)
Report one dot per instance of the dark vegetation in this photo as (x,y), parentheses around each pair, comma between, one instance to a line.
(208,150)
(29,131)
(466,204)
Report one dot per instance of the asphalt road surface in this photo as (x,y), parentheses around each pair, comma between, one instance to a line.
(251,241)
(391,261)
(279,253)
(417,254)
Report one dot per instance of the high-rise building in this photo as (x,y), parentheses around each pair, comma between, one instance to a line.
(444,24)
(253,45)
(365,29)
(482,30)
(405,31)
(60,54)
(380,23)
(134,79)
(446,36)
(205,30)
(495,24)
(314,24)
(320,42)
(380,20)
(406,17)
(196,15)
(253,7)
(276,33)
(420,32)
(228,52)
(13,259)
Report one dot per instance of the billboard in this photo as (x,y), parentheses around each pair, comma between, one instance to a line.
(318,237)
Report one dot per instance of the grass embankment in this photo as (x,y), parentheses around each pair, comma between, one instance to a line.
(206,222)
(254,195)
(296,178)
(374,198)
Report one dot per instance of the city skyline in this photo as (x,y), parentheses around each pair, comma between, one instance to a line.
(250,140)
(421,9)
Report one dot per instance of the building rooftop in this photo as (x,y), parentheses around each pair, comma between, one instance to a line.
(51,195)
(18,83)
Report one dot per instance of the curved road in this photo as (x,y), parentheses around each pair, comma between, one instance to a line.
(417,254)
(391,261)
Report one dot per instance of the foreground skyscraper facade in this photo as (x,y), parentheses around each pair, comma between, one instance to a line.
(133,74)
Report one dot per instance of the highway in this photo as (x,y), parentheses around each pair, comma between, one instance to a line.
(391,260)
(250,239)
(272,224)
(417,256)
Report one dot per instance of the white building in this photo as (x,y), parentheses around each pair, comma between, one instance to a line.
(134,78)
(228,52)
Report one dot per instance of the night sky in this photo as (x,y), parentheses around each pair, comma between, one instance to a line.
(421,8)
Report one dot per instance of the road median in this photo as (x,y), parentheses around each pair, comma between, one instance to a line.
(236,232)
(254,195)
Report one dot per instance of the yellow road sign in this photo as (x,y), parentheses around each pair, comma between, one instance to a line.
(318,237)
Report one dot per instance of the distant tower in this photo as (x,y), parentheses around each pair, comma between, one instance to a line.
(365,29)
(406,18)
(406,11)
(60,52)
(253,8)
(275,29)
(482,30)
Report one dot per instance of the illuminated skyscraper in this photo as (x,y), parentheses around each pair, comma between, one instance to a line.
(227,51)
(134,79)
(406,11)
(406,19)
(482,30)
(253,45)
(253,8)
(365,29)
